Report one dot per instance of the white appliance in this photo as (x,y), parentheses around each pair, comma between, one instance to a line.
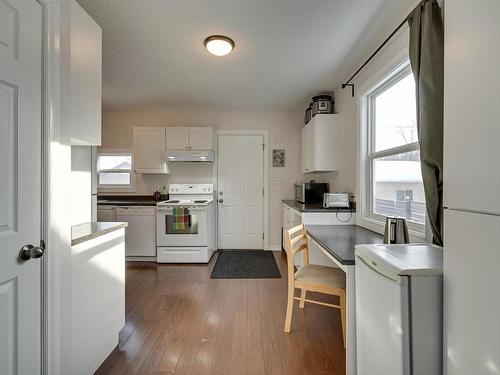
(190,156)
(399,309)
(336,200)
(471,187)
(140,233)
(189,236)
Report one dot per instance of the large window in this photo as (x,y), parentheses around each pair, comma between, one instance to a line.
(115,171)
(393,177)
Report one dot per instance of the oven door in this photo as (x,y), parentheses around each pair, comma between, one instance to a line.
(190,230)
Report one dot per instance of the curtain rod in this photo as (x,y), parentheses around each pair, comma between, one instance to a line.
(351,85)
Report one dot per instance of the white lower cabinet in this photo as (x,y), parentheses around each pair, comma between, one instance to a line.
(106,213)
(293,217)
(97,304)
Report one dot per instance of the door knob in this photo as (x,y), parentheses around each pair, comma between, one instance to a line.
(221,200)
(28,252)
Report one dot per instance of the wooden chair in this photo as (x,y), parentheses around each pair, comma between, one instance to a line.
(310,277)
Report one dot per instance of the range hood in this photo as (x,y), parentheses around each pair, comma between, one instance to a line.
(190,156)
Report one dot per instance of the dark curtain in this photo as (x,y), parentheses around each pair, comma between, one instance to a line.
(427,59)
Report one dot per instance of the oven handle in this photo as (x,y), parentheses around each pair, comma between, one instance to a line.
(189,209)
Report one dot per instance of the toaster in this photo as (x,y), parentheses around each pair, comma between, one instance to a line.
(331,200)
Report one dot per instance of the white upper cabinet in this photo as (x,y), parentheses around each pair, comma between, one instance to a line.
(319,144)
(149,148)
(194,138)
(201,138)
(177,138)
(85,78)
(471,130)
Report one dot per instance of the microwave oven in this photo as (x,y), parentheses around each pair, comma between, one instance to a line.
(311,192)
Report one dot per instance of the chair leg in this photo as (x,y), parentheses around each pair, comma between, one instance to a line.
(343,316)
(289,309)
(302,296)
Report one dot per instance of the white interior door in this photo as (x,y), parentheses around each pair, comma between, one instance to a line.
(20,185)
(240,191)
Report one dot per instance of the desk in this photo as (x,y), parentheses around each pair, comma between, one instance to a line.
(337,243)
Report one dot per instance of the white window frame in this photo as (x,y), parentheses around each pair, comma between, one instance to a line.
(129,188)
(368,217)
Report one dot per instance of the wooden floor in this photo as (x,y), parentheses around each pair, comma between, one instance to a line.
(179,321)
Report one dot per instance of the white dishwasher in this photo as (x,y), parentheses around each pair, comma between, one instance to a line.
(140,239)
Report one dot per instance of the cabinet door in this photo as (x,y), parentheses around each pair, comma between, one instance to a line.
(106,213)
(325,131)
(177,138)
(85,78)
(471,131)
(304,150)
(307,164)
(149,148)
(471,303)
(201,138)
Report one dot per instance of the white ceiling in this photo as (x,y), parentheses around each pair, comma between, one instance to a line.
(286,50)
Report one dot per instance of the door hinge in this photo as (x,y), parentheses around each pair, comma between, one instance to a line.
(263,193)
(263,146)
(262,235)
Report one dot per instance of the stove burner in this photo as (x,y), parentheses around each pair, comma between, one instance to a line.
(201,201)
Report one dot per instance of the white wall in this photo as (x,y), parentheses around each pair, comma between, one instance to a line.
(81,181)
(346,179)
(117,133)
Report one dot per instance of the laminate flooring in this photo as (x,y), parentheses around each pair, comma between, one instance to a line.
(179,321)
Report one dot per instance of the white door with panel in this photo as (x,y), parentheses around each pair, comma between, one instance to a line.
(241,191)
(20,186)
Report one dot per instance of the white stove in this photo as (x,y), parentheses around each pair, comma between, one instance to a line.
(185,224)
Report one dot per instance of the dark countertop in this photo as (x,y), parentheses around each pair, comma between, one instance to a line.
(339,240)
(128,200)
(87,231)
(315,207)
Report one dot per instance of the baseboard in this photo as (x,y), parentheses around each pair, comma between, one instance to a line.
(140,259)
(273,248)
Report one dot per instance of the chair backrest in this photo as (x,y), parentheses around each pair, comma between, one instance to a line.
(295,242)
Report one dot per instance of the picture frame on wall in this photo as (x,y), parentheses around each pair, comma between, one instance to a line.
(278,158)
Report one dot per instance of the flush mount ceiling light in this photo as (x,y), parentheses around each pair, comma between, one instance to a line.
(219,45)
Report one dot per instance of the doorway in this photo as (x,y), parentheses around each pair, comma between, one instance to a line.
(242,190)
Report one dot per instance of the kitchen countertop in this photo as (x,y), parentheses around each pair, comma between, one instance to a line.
(339,240)
(315,207)
(87,231)
(128,200)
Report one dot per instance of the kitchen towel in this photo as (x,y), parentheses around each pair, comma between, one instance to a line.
(181,218)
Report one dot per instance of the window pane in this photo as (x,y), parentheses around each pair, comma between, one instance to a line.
(114,178)
(121,162)
(397,188)
(395,115)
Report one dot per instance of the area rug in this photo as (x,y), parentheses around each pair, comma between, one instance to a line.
(245,264)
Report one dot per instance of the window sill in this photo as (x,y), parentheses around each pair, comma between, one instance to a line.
(379,227)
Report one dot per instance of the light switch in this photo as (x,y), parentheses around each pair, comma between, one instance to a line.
(275,181)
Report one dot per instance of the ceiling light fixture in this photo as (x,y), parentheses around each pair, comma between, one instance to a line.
(219,45)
